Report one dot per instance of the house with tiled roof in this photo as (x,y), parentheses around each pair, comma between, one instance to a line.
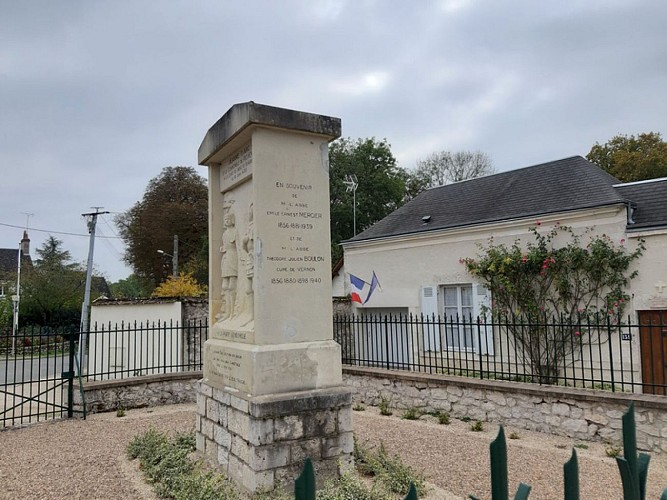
(416,251)
(9,260)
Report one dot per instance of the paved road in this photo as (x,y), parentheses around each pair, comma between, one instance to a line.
(21,370)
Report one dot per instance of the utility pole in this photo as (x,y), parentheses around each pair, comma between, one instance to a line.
(85,308)
(174,258)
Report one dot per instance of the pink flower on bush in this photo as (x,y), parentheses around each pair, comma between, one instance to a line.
(577,333)
(622,241)
(524,259)
(538,222)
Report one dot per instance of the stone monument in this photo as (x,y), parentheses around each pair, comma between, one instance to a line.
(272,392)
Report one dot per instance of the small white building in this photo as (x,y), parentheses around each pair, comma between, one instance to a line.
(416,252)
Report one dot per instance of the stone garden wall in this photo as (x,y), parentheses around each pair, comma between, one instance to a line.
(138,392)
(581,414)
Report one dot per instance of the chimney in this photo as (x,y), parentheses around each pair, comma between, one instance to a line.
(25,245)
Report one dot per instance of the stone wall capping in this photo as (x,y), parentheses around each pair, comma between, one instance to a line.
(565,394)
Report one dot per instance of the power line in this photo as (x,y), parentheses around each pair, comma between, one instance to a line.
(57,232)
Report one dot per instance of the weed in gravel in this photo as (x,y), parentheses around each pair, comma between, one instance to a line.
(359,407)
(514,435)
(465,419)
(384,406)
(388,470)
(120,412)
(411,414)
(613,451)
(477,426)
(443,418)
(581,446)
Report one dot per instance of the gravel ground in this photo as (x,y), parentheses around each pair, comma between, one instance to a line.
(78,459)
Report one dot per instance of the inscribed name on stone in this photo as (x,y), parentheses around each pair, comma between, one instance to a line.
(236,169)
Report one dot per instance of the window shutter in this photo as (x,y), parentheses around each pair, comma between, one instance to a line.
(482,306)
(430,327)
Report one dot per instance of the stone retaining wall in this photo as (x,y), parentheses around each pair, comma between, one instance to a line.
(581,414)
(138,392)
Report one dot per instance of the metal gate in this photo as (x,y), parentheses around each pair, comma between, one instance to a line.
(38,376)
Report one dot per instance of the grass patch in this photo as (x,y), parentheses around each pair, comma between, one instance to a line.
(411,414)
(613,451)
(389,471)
(478,426)
(359,407)
(514,435)
(443,418)
(167,464)
(385,406)
(581,446)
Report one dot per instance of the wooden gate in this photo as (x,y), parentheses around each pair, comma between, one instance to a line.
(653,336)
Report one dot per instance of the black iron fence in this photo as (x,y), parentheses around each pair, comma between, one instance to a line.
(40,369)
(122,350)
(599,352)
(38,374)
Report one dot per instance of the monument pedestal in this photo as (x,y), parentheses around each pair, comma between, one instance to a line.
(261,442)
(272,392)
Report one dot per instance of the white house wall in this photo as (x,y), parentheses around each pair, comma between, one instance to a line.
(404,264)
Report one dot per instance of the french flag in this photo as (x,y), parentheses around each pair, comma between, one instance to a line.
(374,284)
(357,287)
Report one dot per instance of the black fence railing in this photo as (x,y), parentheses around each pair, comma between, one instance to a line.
(40,369)
(122,350)
(599,352)
(38,374)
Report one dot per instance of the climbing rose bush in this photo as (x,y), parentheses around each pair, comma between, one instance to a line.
(582,280)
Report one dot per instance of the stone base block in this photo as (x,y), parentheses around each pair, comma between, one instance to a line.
(272,369)
(261,442)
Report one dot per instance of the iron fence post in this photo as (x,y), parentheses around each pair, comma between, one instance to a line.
(70,375)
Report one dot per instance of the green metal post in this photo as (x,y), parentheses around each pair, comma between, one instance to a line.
(571,477)
(304,486)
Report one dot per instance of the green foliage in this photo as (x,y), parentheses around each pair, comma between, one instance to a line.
(581,446)
(120,412)
(6,311)
(389,470)
(359,407)
(174,203)
(52,290)
(385,406)
(131,287)
(351,487)
(613,451)
(570,281)
(381,189)
(514,435)
(630,158)
(444,418)
(166,464)
(443,167)
(183,286)
(477,426)
(411,414)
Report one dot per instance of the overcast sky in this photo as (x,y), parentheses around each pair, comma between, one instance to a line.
(96,97)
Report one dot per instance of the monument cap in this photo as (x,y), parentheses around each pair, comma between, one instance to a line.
(237,121)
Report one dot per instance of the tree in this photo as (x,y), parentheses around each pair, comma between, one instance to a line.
(443,167)
(174,203)
(381,186)
(632,158)
(131,287)
(52,291)
(183,286)
(542,283)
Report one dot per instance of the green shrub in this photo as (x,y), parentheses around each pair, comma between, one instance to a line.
(358,407)
(411,414)
(477,426)
(514,435)
(443,418)
(384,406)
(389,470)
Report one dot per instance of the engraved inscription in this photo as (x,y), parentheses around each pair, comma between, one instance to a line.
(298,222)
(228,365)
(236,169)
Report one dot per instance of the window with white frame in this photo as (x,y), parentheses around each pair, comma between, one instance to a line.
(457,308)
(449,313)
